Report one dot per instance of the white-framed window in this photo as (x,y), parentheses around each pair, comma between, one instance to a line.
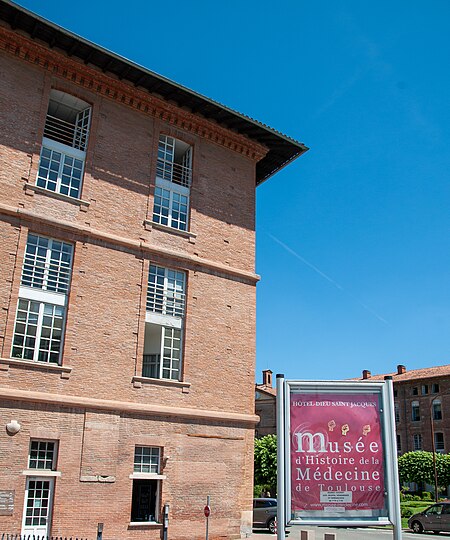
(437,409)
(42,455)
(47,264)
(397,412)
(417,441)
(424,389)
(166,291)
(399,444)
(415,411)
(63,152)
(45,282)
(439,444)
(435,388)
(166,298)
(38,331)
(147,459)
(173,182)
(146,484)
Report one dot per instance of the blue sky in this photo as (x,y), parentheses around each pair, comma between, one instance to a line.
(353,238)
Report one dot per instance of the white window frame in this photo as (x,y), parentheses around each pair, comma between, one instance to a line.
(170,219)
(168,299)
(65,151)
(38,337)
(166,306)
(38,293)
(37,268)
(174,373)
(69,138)
(166,169)
(44,443)
(139,464)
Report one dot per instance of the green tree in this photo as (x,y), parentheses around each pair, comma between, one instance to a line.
(266,463)
(418,467)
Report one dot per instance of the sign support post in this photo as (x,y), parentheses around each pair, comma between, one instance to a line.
(207,511)
(281,497)
(392,470)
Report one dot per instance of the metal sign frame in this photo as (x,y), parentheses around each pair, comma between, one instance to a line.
(384,390)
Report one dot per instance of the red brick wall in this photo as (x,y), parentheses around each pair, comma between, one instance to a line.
(104,331)
(407,428)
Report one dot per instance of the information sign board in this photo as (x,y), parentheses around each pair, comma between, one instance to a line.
(337,453)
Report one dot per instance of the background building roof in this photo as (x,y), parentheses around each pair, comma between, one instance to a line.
(402,375)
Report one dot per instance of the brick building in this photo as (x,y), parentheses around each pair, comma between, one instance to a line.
(266,405)
(422,407)
(127,293)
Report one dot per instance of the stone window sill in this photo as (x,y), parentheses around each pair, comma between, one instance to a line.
(6,363)
(147,476)
(146,524)
(149,224)
(40,472)
(139,381)
(53,194)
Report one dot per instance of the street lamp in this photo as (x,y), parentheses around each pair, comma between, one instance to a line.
(433,447)
(433,442)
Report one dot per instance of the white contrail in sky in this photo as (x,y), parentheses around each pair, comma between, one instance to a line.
(322,274)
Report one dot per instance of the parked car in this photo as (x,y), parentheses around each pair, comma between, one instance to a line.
(435,518)
(264,513)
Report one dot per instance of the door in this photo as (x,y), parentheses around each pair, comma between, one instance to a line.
(445,518)
(38,506)
(263,509)
(432,518)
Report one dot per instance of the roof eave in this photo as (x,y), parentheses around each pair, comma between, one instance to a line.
(282,150)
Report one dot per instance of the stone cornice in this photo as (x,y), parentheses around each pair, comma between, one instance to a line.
(60,65)
(85,402)
(139,245)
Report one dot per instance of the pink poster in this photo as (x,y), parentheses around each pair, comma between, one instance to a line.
(336,452)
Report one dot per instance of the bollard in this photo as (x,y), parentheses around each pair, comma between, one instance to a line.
(307,535)
(165,521)
(99,531)
(329,536)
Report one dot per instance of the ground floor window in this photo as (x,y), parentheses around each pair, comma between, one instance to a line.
(144,501)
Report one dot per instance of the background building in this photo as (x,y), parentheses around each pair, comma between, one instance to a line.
(422,407)
(265,406)
(127,293)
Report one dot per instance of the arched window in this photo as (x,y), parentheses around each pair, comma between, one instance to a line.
(437,409)
(439,444)
(415,411)
(173,183)
(63,152)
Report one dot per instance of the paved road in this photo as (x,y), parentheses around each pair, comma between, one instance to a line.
(347,534)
